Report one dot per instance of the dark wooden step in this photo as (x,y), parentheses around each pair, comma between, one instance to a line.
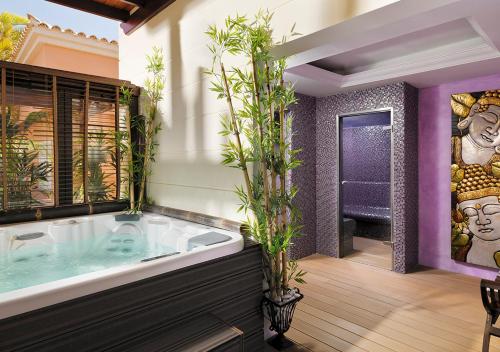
(199,334)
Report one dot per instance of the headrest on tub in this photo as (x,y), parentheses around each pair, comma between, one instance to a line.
(207,239)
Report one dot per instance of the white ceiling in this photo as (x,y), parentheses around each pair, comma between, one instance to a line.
(424,43)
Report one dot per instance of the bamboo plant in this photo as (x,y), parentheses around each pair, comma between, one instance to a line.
(257,128)
(140,155)
(126,147)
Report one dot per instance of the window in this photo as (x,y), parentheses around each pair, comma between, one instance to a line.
(29,140)
(102,175)
(57,141)
(71,131)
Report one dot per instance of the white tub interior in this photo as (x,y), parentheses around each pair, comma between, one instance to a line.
(46,262)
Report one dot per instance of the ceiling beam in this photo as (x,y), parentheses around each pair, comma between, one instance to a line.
(136,3)
(96,8)
(144,14)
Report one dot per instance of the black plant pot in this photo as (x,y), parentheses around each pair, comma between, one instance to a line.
(280,315)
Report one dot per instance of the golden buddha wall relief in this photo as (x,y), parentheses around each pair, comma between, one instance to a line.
(475,178)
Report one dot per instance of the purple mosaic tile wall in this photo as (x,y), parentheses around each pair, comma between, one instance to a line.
(304,131)
(404,101)
(409,216)
(367,194)
(361,162)
(365,171)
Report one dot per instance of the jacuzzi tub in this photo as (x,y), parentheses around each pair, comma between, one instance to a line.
(48,262)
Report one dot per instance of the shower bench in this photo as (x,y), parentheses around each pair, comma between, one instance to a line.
(367,201)
(368,213)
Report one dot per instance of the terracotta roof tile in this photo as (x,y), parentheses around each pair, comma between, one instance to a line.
(35,22)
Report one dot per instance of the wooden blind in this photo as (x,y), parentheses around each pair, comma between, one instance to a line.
(71,129)
(57,141)
(102,150)
(29,140)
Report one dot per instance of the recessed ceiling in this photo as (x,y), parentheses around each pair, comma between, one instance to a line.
(424,43)
(382,53)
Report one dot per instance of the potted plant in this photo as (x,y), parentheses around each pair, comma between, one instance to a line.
(257,126)
(139,155)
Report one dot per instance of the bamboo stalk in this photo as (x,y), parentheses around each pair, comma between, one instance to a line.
(263,167)
(5,199)
(274,222)
(265,176)
(271,134)
(243,162)
(284,218)
(117,147)
(284,272)
(130,159)
(147,151)
(236,133)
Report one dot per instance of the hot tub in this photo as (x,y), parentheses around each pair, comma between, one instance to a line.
(48,262)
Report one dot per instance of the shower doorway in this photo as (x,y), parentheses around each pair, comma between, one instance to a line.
(365,175)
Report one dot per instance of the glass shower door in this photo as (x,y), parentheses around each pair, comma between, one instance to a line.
(365,191)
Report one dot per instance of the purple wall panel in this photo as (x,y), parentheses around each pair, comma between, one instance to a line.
(434,182)
(304,177)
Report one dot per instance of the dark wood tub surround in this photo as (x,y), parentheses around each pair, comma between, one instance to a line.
(203,333)
(112,320)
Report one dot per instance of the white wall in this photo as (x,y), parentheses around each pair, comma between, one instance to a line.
(188,174)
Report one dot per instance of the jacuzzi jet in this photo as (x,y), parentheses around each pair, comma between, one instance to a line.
(20,260)
(112,249)
(127,229)
(128,241)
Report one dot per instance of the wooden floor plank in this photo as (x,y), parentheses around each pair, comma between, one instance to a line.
(349,289)
(411,320)
(344,334)
(325,337)
(350,306)
(410,337)
(344,321)
(370,252)
(454,304)
(308,341)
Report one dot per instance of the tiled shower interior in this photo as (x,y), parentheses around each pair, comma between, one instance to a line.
(365,177)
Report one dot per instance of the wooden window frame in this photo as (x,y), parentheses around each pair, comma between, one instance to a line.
(61,209)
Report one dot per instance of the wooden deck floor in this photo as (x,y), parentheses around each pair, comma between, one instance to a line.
(371,252)
(354,307)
